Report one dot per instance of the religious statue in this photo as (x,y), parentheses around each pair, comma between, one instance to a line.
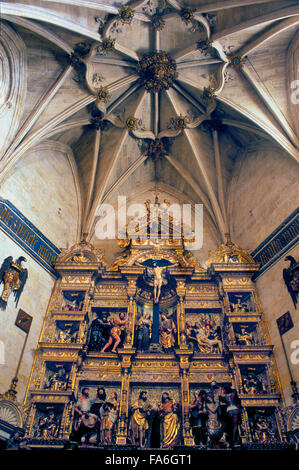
(205,336)
(139,425)
(109,420)
(66,336)
(48,426)
(262,428)
(73,300)
(99,333)
(230,413)
(199,417)
(98,406)
(244,338)
(214,431)
(13,276)
(79,258)
(167,331)
(253,384)
(239,306)
(229,252)
(144,330)
(158,281)
(119,324)
(190,334)
(86,428)
(170,425)
(58,381)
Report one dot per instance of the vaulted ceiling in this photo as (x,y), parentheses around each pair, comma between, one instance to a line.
(154,95)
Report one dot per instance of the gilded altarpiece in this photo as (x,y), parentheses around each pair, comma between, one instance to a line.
(154,351)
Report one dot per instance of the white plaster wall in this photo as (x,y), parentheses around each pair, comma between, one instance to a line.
(276,301)
(42,187)
(34,300)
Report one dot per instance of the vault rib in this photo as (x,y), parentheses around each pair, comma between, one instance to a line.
(270,104)
(37,111)
(211,192)
(31,139)
(265,35)
(41,31)
(109,168)
(275,15)
(276,135)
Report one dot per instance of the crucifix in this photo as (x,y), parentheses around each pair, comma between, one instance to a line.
(157,266)
(156,280)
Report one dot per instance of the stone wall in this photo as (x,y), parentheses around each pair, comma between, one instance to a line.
(42,186)
(276,301)
(263,193)
(34,300)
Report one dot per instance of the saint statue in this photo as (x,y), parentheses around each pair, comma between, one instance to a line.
(262,430)
(167,331)
(139,425)
(244,338)
(108,422)
(99,333)
(48,426)
(170,425)
(230,413)
(58,381)
(199,417)
(144,330)
(86,423)
(119,325)
(253,384)
(239,307)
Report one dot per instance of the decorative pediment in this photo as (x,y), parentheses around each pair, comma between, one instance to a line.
(81,254)
(229,253)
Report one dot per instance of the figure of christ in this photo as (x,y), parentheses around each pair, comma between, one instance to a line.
(204,341)
(119,324)
(158,281)
(138,426)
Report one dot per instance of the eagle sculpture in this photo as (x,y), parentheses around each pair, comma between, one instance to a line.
(13,276)
(291,278)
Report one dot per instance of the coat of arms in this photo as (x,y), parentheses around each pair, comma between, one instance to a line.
(13,276)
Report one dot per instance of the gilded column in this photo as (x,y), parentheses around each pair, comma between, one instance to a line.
(246,434)
(30,420)
(181,320)
(131,313)
(187,432)
(121,437)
